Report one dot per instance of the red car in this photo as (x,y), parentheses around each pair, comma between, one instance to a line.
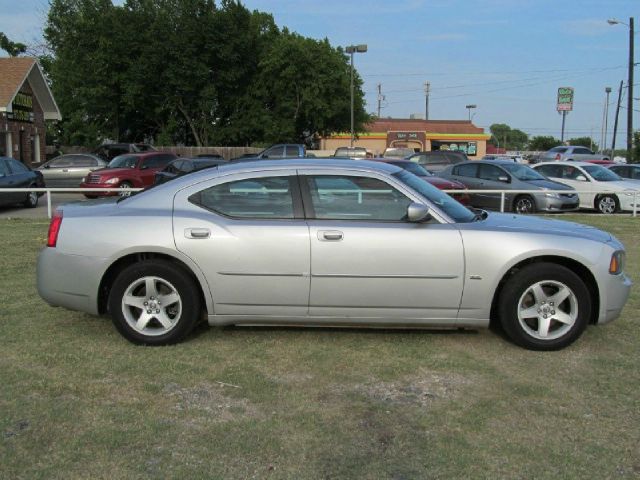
(419,171)
(131,170)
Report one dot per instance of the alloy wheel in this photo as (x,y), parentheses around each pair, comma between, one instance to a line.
(151,306)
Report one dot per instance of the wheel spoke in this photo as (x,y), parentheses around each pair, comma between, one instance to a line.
(531,312)
(560,296)
(564,318)
(543,326)
(169,299)
(538,293)
(164,319)
(133,301)
(150,285)
(143,320)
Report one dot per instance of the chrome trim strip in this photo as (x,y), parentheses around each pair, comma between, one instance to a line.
(348,275)
(261,274)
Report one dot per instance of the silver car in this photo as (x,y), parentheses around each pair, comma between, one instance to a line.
(326,242)
(69,170)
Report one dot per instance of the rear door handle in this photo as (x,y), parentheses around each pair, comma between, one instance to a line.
(330,235)
(197,233)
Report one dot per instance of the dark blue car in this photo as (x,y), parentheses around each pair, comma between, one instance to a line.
(14,174)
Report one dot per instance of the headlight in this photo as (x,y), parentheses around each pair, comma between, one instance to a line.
(616,265)
(113,180)
(552,195)
(630,193)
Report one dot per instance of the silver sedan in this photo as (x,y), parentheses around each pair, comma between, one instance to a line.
(326,242)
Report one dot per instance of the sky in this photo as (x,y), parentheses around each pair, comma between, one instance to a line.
(507,57)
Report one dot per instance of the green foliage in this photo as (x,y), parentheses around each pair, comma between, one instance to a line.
(542,143)
(584,142)
(635,151)
(12,48)
(191,72)
(506,137)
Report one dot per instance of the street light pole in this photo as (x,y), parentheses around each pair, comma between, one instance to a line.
(605,121)
(629,86)
(351,49)
(469,107)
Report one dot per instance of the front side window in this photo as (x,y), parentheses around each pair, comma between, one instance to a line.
(522,172)
(275,152)
(124,161)
(336,197)
(264,197)
(601,174)
(490,172)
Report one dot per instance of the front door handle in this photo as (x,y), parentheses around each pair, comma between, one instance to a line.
(197,233)
(330,235)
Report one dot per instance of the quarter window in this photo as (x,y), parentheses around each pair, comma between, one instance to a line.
(264,197)
(356,198)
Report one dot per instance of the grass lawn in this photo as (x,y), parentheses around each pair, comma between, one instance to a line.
(79,401)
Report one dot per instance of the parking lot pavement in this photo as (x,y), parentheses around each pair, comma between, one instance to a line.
(41,210)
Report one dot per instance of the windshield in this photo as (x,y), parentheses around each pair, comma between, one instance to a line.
(414,168)
(123,161)
(451,207)
(601,174)
(522,172)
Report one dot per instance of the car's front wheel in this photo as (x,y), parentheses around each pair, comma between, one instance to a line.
(32,200)
(544,306)
(126,185)
(154,302)
(524,204)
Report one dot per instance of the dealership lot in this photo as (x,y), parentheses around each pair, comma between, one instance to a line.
(308,403)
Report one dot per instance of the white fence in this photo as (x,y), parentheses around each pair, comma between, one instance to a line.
(503,193)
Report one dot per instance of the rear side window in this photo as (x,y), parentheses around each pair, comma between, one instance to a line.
(582,150)
(265,197)
(558,149)
(83,161)
(64,161)
(466,170)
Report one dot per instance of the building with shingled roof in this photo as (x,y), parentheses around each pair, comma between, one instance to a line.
(26,103)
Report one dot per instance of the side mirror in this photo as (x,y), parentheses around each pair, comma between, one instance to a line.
(417,212)
(581,178)
(46,166)
(143,167)
(504,178)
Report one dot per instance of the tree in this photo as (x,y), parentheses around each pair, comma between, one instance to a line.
(12,48)
(508,138)
(584,142)
(635,151)
(542,143)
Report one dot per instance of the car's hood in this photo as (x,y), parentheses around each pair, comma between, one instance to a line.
(618,185)
(443,183)
(112,172)
(549,184)
(538,225)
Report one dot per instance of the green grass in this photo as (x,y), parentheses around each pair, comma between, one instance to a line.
(78,401)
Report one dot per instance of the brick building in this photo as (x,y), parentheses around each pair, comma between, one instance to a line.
(421,135)
(26,103)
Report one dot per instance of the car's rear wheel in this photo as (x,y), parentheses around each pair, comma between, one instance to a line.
(524,204)
(125,185)
(32,200)
(154,302)
(607,204)
(544,306)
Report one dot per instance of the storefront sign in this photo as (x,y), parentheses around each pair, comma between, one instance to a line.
(407,135)
(22,107)
(565,99)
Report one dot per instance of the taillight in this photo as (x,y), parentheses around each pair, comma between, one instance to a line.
(557,156)
(54,229)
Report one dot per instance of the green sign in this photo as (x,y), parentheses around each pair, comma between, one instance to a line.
(565,99)
(22,108)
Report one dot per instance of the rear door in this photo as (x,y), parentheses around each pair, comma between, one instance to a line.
(488,176)
(368,264)
(467,174)
(248,235)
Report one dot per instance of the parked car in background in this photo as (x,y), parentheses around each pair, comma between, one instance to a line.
(437,160)
(209,155)
(571,153)
(629,172)
(504,156)
(508,175)
(352,152)
(398,152)
(326,242)
(132,170)
(182,166)
(438,182)
(15,174)
(278,151)
(109,151)
(598,186)
(68,170)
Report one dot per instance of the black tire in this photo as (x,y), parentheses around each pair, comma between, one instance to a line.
(32,200)
(524,204)
(125,184)
(525,317)
(163,324)
(607,204)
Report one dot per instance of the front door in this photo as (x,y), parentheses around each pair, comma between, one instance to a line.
(247,234)
(368,264)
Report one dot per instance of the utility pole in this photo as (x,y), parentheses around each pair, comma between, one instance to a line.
(380,98)
(427,90)
(615,122)
(630,93)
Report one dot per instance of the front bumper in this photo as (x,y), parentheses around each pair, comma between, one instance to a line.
(552,204)
(614,296)
(99,185)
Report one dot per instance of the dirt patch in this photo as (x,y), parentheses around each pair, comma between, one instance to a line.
(210,398)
